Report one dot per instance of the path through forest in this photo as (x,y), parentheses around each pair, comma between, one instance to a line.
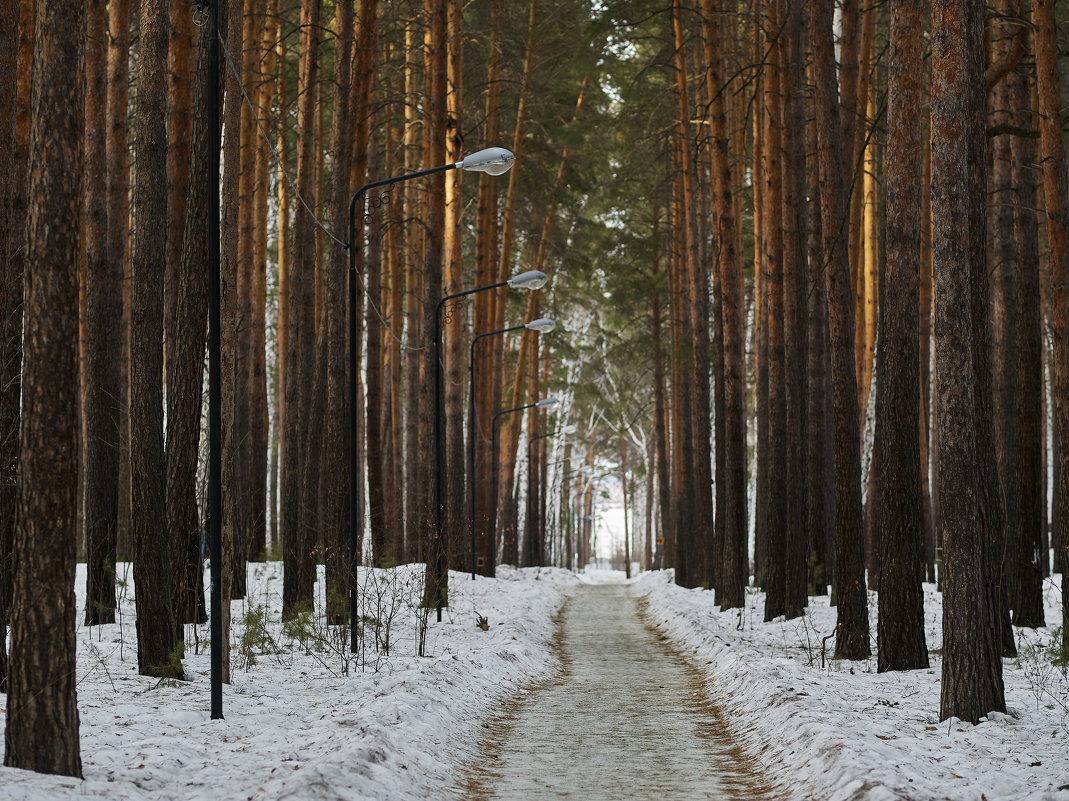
(627,719)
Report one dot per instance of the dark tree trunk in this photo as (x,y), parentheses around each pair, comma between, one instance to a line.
(299,567)
(898,517)
(436,590)
(818,425)
(1029,556)
(12,197)
(1056,193)
(852,624)
(796,542)
(103,312)
(42,712)
(157,635)
(968,480)
(335,475)
(1003,266)
(186,324)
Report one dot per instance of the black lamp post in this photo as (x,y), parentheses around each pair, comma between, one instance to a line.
(545,403)
(493,161)
(542,325)
(531,279)
(215,472)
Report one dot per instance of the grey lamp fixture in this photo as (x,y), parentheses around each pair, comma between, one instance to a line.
(531,279)
(492,161)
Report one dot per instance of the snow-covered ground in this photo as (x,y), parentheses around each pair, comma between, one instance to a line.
(303,720)
(839,730)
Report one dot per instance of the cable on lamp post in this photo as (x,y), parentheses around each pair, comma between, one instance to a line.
(543,325)
(493,161)
(545,403)
(532,280)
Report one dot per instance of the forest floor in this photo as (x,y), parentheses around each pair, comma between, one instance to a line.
(306,720)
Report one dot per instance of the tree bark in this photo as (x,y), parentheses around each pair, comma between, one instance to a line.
(103,311)
(1029,554)
(186,328)
(157,634)
(299,567)
(335,473)
(12,198)
(1056,194)
(898,500)
(42,712)
(968,481)
(852,626)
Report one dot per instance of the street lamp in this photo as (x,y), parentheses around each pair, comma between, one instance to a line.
(543,325)
(532,280)
(545,403)
(493,161)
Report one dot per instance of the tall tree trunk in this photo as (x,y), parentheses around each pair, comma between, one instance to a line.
(796,542)
(118,192)
(852,625)
(42,714)
(299,567)
(282,329)
(1028,554)
(417,475)
(1056,194)
(818,424)
(436,590)
(157,633)
(486,241)
(12,200)
(772,281)
(897,504)
(335,474)
(968,480)
(259,426)
(1003,266)
(693,368)
(454,336)
(103,310)
(663,554)
(186,325)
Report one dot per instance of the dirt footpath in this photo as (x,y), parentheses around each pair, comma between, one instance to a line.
(626,720)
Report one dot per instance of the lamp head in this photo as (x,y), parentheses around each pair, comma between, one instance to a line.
(543,325)
(545,403)
(492,161)
(532,279)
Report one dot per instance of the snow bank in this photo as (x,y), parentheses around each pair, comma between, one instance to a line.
(839,731)
(303,718)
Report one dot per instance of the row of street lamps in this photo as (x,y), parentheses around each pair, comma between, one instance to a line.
(492,161)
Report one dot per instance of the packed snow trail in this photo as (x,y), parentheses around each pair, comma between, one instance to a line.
(626,720)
